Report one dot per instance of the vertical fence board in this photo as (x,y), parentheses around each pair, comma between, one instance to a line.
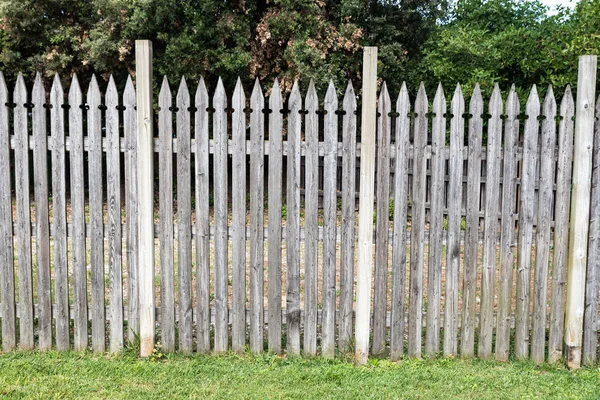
(42,223)
(7,272)
(348,219)
(329,221)
(238,219)
(400,215)
(507,238)
(274,218)
(436,216)
(491,223)
(220,215)
(453,242)
(293,222)
(257,247)
(131,210)
(544,219)
(23,232)
(202,220)
(59,213)
(467,344)
(382,203)
(184,217)
(415,312)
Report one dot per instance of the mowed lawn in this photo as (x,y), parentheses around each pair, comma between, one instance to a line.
(91,376)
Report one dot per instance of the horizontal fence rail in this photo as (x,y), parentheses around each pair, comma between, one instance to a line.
(256,222)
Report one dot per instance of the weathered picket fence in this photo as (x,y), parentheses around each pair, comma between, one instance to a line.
(493,273)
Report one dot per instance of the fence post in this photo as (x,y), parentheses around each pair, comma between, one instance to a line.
(365,212)
(145,121)
(580,208)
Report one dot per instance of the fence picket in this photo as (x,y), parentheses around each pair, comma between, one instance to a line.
(348,219)
(274,218)
(184,217)
(42,222)
(467,344)
(59,213)
(165,204)
(507,239)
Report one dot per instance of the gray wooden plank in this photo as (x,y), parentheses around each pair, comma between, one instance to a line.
(165,204)
(184,217)
(590,316)
(220,217)
(79,264)
(257,247)
(382,204)
(453,242)
(7,269)
(59,215)
(202,220)
(348,219)
(42,222)
(491,225)
(400,226)
(131,210)
(311,215)
(238,219)
(415,314)
(329,221)
(436,216)
(526,211)
(507,238)
(467,348)
(293,222)
(23,231)
(274,218)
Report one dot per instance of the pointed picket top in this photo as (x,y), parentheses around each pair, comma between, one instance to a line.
(476,104)
(312,100)
(220,99)
(496,105)
(75,97)
(512,103)
(331,100)
(239,97)
(93,93)
(550,103)
(129,94)
(439,100)
(421,103)
(349,97)
(294,94)
(183,95)
(38,94)
(384,98)
(567,105)
(112,96)
(3,90)
(257,93)
(403,102)
(20,91)
(533,102)
(201,97)
(458,104)
(164,96)
(275,100)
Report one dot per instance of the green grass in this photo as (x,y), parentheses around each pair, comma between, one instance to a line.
(86,375)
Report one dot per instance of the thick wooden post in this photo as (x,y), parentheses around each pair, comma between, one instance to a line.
(145,121)
(580,208)
(365,213)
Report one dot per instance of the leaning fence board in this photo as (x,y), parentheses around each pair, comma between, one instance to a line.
(274,219)
(526,210)
(491,223)
(467,344)
(257,247)
(7,272)
(417,225)
(329,221)
(590,316)
(436,216)
(42,222)
(453,242)
(23,231)
(293,222)
(400,216)
(184,217)
(131,210)
(165,204)
(311,228)
(545,200)
(59,216)
(79,264)
(202,221)
(507,238)
(238,219)
(348,219)
(220,217)
(382,202)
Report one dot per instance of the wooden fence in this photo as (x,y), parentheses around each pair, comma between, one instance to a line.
(247,258)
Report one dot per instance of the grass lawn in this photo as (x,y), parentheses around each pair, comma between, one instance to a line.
(90,376)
